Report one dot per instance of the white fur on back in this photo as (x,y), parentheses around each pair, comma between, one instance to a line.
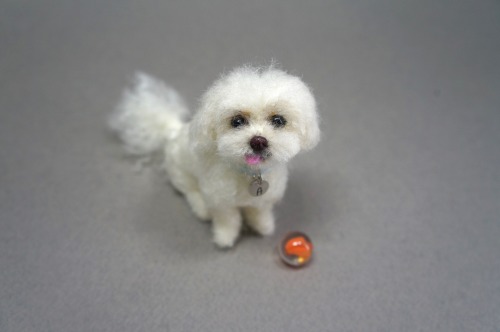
(149,114)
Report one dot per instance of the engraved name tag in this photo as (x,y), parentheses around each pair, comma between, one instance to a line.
(258,187)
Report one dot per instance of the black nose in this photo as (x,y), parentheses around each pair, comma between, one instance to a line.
(258,143)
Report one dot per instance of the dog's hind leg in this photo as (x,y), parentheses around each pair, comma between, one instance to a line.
(197,203)
(188,185)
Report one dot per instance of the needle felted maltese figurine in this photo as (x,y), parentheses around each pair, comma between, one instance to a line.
(230,159)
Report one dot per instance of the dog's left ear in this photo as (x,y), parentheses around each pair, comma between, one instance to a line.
(302,100)
(309,122)
(309,130)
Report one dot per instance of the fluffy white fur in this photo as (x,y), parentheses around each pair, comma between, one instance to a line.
(205,158)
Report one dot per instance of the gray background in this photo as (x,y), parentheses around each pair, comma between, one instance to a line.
(401,198)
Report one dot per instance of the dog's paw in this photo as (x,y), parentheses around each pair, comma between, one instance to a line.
(225,238)
(264,226)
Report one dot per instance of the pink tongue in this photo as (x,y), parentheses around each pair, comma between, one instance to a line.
(253,159)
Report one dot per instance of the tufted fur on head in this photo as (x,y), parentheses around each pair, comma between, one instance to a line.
(257,91)
(251,120)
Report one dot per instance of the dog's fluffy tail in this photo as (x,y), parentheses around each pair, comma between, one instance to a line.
(149,114)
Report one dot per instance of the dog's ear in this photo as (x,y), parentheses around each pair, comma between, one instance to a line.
(309,122)
(303,104)
(202,133)
(309,130)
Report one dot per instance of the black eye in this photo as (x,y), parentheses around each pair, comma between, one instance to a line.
(238,121)
(278,121)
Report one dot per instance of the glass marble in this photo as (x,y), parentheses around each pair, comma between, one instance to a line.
(296,249)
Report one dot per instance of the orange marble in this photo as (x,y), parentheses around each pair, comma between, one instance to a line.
(296,249)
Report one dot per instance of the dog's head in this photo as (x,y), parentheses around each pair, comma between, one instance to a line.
(256,117)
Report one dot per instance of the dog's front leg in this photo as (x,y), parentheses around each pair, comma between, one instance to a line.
(260,219)
(226,225)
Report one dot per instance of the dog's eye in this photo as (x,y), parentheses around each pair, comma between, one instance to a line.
(238,121)
(278,121)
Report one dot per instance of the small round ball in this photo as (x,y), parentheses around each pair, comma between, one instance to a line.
(296,249)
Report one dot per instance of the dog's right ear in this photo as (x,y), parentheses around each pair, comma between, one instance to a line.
(202,133)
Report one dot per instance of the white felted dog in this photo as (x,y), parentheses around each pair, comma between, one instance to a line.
(230,159)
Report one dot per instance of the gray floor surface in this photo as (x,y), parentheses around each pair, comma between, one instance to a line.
(401,198)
